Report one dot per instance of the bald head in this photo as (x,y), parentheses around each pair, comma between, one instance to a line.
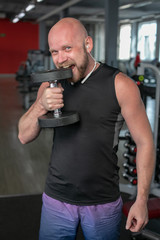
(70,25)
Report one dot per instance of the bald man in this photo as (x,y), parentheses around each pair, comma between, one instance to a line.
(82,185)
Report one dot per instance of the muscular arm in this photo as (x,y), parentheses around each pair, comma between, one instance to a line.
(133,111)
(47,100)
(28,124)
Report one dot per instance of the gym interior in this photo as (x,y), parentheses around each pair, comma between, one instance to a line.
(120,29)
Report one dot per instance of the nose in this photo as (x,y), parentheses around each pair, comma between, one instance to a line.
(62,57)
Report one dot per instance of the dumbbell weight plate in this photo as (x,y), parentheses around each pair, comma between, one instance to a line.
(51,75)
(49,121)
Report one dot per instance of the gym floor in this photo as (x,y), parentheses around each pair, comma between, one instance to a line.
(23,167)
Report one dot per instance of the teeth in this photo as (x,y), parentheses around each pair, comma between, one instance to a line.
(66,66)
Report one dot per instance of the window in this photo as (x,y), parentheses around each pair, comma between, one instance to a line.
(124,42)
(147,40)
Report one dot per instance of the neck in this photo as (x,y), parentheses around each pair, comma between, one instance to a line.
(88,75)
(93,69)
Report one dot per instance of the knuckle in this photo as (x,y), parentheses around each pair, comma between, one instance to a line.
(141,222)
(49,107)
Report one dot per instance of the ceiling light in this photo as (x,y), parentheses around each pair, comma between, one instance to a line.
(126,6)
(16,19)
(21,15)
(30,7)
(39,0)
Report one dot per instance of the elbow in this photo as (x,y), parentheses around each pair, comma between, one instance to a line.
(21,139)
(24,139)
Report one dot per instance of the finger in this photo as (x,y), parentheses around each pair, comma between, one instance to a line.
(130,225)
(56,96)
(55,101)
(55,90)
(137,226)
(52,107)
(129,222)
(52,94)
(59,106)
(60,86)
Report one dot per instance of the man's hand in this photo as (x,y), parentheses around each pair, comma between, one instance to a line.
(137,217)
(52,98)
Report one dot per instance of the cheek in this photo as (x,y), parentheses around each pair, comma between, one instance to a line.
(55,61)
(78,60)
(77,55)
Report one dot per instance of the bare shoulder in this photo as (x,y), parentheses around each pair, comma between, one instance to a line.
(126,88)
(123,82)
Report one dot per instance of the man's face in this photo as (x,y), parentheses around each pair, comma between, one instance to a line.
(68,51)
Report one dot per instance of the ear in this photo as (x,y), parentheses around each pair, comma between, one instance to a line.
(89,44)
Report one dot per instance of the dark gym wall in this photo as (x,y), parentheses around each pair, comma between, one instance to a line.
(15,41)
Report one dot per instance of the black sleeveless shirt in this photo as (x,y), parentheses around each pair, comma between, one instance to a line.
(83,168)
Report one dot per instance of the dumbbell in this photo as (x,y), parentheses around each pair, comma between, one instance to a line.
(55,118)
(132,180)
(131,159)
(131,147)
(130,170)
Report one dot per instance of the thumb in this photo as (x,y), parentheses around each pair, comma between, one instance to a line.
(128,224)
(131,223)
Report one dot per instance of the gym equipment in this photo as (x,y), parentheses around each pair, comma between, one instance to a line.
(129,138)
(155,125)
(130,159)
(33,63)
(131,180)
(131,170)
(132,148)
(151,92)
(55,118)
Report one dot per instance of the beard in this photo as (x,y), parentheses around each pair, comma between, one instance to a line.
(81,67)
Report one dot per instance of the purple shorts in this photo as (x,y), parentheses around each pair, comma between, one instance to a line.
(60,220)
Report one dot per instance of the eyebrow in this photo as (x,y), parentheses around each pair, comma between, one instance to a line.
(63,47)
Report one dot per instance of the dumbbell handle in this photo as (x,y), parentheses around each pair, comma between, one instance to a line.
(57,112)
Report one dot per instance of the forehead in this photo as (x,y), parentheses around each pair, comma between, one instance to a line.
(60,36)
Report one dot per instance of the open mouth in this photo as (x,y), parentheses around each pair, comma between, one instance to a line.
(69,66)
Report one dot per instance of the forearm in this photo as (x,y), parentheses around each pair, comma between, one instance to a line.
(28,126)
(138,214)
(145,168)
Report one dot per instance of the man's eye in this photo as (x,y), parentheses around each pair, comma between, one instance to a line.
(68,48)
(54,52)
